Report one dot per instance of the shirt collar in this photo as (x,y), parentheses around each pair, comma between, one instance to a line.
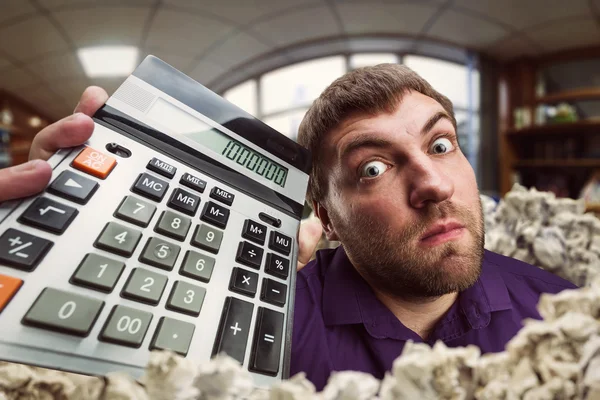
(348,299)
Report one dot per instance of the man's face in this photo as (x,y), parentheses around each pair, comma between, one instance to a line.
(403,200)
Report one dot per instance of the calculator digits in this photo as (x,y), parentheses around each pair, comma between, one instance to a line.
(174,227)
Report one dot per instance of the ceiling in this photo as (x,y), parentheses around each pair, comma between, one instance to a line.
(206,39)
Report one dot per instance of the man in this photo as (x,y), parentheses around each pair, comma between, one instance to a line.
(391,184)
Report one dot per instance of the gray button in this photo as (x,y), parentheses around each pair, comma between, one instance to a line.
(136,211)
(126,326)
(160,253)
(64,312)
(197,266)
(186,298)
(173,334)
(173,225)
(118,239)
(145,286)
(207,238)
(98,272)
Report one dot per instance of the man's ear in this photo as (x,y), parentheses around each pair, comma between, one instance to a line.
(328,228)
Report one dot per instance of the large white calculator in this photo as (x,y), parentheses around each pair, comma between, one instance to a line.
(174,227)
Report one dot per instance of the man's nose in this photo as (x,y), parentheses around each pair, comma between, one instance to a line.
(429,182)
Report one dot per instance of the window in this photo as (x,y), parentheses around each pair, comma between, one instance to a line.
(369,59)
(244,96)
(287,122)
(299,84)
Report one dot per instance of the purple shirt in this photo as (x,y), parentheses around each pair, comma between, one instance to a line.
(339,324)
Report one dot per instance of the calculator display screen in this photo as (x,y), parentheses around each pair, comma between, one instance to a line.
(241,154)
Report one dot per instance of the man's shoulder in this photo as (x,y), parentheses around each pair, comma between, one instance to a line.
(314,272)
(517,272)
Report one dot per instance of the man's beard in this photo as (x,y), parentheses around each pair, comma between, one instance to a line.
(392,263)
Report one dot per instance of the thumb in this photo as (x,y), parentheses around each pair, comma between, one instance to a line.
(24,179)
(308,238)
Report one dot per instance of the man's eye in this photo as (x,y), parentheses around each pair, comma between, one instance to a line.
(441,146)
(373,169)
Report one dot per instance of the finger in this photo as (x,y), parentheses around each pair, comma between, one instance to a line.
(71,131)
(308,238)
(91,100)
(24,179)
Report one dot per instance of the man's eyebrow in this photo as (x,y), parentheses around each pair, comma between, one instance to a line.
(434,120)
(363,141)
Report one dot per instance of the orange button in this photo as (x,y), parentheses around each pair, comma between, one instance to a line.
(94,163)
(8,287)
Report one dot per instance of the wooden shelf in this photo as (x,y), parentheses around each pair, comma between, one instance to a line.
(577,127)
(571,95)
(573,163)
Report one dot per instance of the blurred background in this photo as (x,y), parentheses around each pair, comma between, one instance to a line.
(524,75)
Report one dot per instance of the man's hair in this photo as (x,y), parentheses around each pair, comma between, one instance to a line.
(369,90)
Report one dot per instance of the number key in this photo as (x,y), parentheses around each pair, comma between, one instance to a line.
(64,312)
(118,239)
(197,266)
(145,286)
(160,254)
(126,326)
(207,238)
(98,272)
(186,298)
(136,211)
(173,225)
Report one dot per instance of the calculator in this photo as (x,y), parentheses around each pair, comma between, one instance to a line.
(174,227)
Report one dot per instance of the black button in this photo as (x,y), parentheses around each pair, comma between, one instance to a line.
(48,215)
(266,347)
(192,182)
(73,187)
(222,196)
(184,201)
(243,282)
(254,231)
(277,266)
(273,292)
(234,325)
(161,167)
(150,187)
(215,214)
(22,250)
(280,243)
(249,254)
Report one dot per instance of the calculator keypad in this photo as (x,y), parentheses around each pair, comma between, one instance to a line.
(98,272)
(215,214)
(207,238)
(22,250)
(136,211)
(48,215)
(74,187)
(118,239)
(197,266)
(173,225)
(172,334)
(145,286)
(186,298)
(160,253)
(184,201)
(126,326)
(150,187)
(64,311)
(249,254)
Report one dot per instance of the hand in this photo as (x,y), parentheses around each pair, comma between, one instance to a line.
(32,177)
(308,238)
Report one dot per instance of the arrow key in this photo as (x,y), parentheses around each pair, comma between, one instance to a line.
(74,187)
(249,254)
(48,215)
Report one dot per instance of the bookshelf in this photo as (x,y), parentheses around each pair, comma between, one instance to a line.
(541,145)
